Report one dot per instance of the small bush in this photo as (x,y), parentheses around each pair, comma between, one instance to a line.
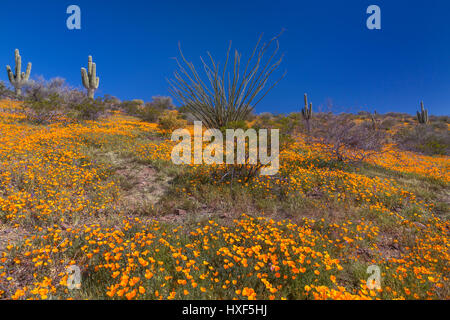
(87,109)
(162,103)
(41,89)
(43,110)
(130,107)
(427,139)
(111,101)
(388,123)
(47,101)
(264,121)
(5,93)
(239,124)
(170,121)
(152,111)
(344,140)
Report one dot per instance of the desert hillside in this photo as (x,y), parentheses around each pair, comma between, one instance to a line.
(101,193)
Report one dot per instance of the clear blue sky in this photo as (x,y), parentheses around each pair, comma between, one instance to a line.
(330,54)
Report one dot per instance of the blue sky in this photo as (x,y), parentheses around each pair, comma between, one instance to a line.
(329,52)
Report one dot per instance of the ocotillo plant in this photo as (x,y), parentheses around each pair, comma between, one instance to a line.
(89,78)
(19,79)
(307,113)
(374,120)
(222,99)
(422,116)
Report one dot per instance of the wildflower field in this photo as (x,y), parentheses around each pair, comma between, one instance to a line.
(104,196)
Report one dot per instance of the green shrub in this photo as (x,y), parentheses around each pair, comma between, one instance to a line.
(152,111)
(88,109)
(130,107)
(44,110)
(429,140)
(239,124)
(170,121)
(149,113)
(388,123)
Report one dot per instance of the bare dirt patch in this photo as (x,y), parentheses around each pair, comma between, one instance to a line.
(141,187)
(10,235)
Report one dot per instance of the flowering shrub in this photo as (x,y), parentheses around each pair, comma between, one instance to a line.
(170,121)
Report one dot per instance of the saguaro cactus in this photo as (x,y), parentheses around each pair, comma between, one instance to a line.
(307,113)
(422,116)
(89,78)
(19,79)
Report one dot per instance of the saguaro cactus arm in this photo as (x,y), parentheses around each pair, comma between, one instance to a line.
(10,74)
(89,78)
(19,78)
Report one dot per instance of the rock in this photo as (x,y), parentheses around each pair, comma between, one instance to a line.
(180,212)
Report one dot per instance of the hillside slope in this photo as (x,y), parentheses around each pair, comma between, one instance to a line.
(104,196)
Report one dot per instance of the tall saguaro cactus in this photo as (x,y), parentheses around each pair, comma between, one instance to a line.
(89,78)
(19,79)
(307,113)
(422,116)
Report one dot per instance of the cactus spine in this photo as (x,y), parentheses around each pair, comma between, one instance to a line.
(307,113)
(89,78)
(422,116)
(19,79)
